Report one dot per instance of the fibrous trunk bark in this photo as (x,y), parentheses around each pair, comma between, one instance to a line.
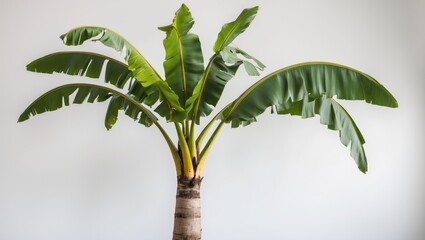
(187,217)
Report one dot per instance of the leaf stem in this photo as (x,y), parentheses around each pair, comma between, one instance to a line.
(206,149)
(173,149)
(205,130)
(188,168)
(198,100)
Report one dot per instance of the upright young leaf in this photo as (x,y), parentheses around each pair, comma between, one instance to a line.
(137,64)
(183,63)
(209,90)
(231,30)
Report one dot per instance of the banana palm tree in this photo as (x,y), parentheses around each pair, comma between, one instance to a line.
(190,91)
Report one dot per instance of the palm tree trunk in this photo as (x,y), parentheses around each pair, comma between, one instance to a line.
(187,217)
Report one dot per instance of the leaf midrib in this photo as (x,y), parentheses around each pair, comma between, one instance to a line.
(201,91)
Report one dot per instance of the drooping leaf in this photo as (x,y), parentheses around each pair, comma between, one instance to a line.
(62,96)
(229,56)
(183,63)
(231,30)
(292,84)
(137,64)
(130,108)
(208,91)
(307,89)
(257,62)
(250,69)
(336,117)
(83,64)
(331,114)
(232,55)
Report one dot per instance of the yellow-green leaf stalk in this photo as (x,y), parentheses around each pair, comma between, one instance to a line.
(206,150)
(188,170)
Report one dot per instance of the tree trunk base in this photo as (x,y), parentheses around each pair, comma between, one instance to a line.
(187,217)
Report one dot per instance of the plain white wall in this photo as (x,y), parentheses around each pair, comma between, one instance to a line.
(63,176)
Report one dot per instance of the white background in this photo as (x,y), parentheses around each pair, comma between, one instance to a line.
(63,176)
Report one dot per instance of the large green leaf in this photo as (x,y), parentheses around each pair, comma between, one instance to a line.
(83,64)
(91,65)
(209,89)
(139,66)
(292,84)
(184,63)
(231,30)
(222,67)
(307,89)
(61,96)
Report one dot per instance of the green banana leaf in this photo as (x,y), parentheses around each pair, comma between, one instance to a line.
(312,80)
(83,64)
(222,67)
(184,62)
(208,91)
(91,65)
(307,89)
(61,96)
(130,108)
(334,116)
(337,118)
(231,30)
(137,64)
